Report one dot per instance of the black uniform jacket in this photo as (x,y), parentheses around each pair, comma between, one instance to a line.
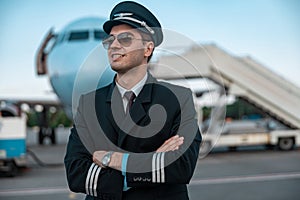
(160,111)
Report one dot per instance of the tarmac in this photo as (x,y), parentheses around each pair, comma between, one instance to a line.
(253,173)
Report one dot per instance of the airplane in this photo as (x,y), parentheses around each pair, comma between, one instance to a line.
(77,47)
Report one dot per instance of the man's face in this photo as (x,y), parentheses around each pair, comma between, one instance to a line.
(126,56)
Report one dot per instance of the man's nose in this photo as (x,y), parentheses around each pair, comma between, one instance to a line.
(115,44)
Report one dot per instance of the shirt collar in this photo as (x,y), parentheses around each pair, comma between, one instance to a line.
(136,89)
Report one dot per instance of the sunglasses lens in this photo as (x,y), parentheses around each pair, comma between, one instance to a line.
(106,42)
(124,39)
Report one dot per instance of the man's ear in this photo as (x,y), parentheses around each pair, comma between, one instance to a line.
(149,47)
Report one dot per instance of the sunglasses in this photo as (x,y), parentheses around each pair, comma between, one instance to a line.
(125,39)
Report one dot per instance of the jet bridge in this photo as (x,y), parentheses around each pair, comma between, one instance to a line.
(241,76)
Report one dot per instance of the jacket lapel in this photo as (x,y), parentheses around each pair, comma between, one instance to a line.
(137,111)
(114,106)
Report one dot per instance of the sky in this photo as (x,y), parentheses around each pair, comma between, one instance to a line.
(266,30)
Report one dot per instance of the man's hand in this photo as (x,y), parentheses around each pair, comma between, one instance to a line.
(171,144)
(97,157)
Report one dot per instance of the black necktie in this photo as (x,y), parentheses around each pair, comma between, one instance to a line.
(130,96)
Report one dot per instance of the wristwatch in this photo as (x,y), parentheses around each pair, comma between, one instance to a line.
(106,159)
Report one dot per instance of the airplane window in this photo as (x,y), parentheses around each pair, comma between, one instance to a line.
(79,35)
(99,35)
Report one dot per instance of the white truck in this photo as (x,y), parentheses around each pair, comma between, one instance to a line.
(12,144)
(249,133)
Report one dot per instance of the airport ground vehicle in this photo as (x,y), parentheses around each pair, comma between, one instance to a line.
(12,143)
(239,133)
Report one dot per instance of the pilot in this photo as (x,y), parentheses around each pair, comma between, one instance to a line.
(136,138)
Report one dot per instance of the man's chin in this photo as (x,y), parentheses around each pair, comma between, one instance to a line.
(119,70)
(122,70)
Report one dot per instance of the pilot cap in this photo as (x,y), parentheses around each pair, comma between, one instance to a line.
(137,16)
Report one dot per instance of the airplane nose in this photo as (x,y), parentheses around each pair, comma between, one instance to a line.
(78,67)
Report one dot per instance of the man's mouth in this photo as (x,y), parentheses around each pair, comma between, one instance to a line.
(117,56)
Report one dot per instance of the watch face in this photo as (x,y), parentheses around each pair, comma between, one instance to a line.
(106,159)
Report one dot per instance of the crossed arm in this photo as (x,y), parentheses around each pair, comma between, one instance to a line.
(171,144)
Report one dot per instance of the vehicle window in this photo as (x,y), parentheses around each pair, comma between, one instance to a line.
(79,35)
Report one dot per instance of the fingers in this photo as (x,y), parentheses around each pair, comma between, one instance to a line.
(171,138)
(171,144)
(174,143)
(97,157)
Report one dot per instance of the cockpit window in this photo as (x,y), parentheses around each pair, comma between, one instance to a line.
(99,35)
(79,35)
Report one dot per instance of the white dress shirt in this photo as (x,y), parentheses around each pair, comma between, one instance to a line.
(136,89)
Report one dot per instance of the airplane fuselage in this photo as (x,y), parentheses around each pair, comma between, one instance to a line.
(78,49)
